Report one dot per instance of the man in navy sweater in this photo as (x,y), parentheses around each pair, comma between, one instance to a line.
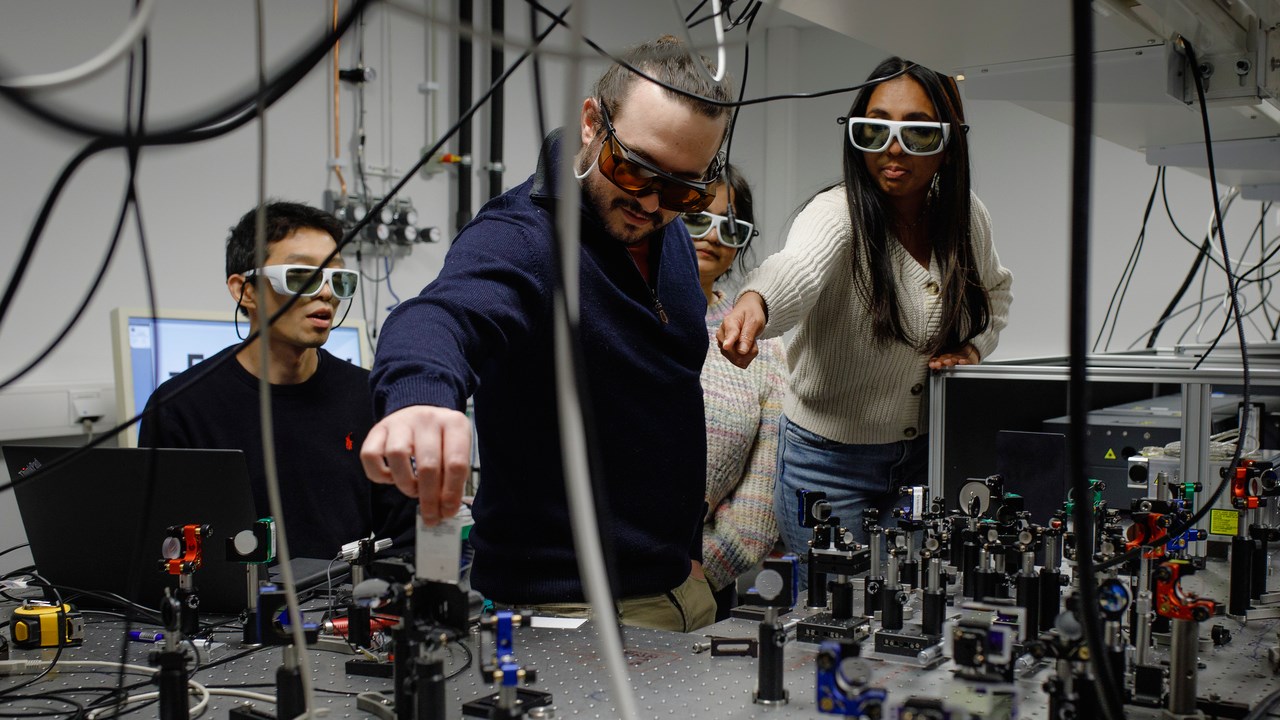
(484,327)
(320,403)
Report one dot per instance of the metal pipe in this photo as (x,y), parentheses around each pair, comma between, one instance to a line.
(1182,667)
(1142,614)
(463,215)
(497,63)
(891,605)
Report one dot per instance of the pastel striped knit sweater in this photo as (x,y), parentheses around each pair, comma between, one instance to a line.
(843,384)
(742,408)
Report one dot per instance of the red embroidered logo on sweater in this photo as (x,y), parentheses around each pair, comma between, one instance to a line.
(349,445)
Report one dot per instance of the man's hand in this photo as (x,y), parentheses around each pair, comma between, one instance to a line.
(695,570)
(426,452)
(967,355)
(737,334)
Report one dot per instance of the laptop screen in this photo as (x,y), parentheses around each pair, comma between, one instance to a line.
(99,519)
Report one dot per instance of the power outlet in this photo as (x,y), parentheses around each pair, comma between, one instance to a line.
(47,411)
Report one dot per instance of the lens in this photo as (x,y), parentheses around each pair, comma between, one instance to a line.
(744,233)
(697,223)
(921,138)
(295,278)
(636,180)
(343,283)
(737,240)
(870,135)
(622,172)
(683,198)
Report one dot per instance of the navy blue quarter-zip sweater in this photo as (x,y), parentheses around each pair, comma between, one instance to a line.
(484,327)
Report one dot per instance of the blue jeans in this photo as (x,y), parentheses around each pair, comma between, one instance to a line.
(853,477)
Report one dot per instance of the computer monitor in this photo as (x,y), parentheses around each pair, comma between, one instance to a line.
(150,349)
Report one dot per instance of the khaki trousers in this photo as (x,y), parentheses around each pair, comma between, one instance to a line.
(684,608)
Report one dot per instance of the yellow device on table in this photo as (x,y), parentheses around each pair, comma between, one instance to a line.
(37,626)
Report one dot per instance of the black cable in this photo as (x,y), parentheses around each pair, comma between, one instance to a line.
(78,708)
(42,219)
(465,666)
(216,127)
(1263,257)
(1164,192)
(20,571)
(1177,295)
(61,626)
(15,547)
(689,18)
(742,90)
(1130,267)
(1204,278)
(559,20)
(1078,389)
(202,369)
(733,120)
(539,111)
(1222,236)
(752,8)
(61,335)
(233,658)
(182,131)
(1207,505)
(133,578)
(150,614)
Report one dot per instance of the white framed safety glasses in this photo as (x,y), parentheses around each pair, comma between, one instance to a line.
(914,137)
(304,280)
(700,225)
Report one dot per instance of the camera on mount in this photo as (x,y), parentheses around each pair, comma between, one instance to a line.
(815,512)
(987,498)
(914,505)
(814,509)
(775,584)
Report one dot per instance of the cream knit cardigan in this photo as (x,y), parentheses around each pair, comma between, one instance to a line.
(843,385)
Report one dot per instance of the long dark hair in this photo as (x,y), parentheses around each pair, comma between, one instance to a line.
(966,309)
(743,205)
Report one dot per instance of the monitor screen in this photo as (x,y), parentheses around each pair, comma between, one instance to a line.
(149,350)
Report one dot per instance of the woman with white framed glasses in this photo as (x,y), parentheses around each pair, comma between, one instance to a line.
(742,408)
(885,276)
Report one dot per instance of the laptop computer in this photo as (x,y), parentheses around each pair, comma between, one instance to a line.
(91,521)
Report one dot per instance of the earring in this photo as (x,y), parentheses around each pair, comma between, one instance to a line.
(934,186)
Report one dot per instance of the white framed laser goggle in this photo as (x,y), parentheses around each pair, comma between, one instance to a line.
(735,236)
(304,280)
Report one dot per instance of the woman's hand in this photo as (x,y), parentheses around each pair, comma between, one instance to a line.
(967,355)
(737,334)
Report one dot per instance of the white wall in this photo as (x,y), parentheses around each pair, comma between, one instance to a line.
(203,52)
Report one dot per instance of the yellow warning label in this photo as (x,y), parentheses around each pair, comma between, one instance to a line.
(1111,454)
(1224,522)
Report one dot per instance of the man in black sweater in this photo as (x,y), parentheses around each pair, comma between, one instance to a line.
(321,404)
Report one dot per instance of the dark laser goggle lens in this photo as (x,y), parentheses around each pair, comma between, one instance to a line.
(916,138)
(307,280)
(735,235)
(636,180)
(698,224)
